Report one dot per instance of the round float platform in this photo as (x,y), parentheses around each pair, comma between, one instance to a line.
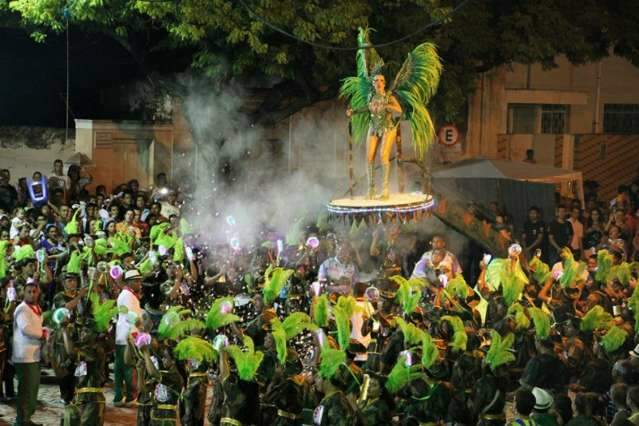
(405,206)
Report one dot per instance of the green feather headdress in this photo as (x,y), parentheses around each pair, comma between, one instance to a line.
(103,313)
(120,244)
(284,331)
(604,264)
(173,326)
(274,281)
(621,272)
(331,359)
(321,310)
(500,350)
(246,360)
(23,252)
(430,352)
(511,286)
(596,318)
(572,270)
(343,311)
(542,321)
(409,293)
(499,269)
(541,271)
(71,228)
(402,374)
(195,348)
(522,321)
(460,338)
(220,313)
(458,287)
(101,247)
(412,334)
(614,339)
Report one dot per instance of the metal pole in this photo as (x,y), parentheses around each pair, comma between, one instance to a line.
(350,159)
(66,115)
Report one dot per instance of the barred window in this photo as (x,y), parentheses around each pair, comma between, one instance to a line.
(621,118)
(554,119)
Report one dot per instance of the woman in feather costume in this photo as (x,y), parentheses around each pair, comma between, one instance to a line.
(376,110)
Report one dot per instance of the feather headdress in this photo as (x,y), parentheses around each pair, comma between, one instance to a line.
(321,310)
(221,313)
(195,348)
(596,318)
(412,334)
(458,287)
(541,271)
(572,270)
(522,321)
(460,338)
(604,264)
(173,326)
(542,321)
(284,331)
(331,359)
(430,352)
(103,312)
(246,360)
(402,373)
(614,339)
(500,350)
(274,281)
(409,293)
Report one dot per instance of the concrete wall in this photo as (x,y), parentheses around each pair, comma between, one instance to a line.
(26,150)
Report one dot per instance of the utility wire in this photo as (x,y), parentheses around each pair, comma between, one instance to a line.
(350,48)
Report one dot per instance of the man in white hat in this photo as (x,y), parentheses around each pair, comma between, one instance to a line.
(543,403)
(129,313)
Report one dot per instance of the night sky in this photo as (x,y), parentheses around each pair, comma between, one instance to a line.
(33,76)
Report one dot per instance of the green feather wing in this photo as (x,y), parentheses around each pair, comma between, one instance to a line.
(500,350)
(342,313)
(541,271)
(614,339)
(279,336)
(195,348)
(414,85)
(458,287)
(595,318)
(217,317)
(297,322)
(522,321)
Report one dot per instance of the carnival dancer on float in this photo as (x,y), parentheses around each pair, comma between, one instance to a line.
(376,111)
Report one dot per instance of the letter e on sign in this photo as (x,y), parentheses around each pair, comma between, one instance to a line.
(448,135)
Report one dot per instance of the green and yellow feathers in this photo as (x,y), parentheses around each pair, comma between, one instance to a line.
(409,293)
(500,351)
(220,313)
(175,324)
(460,338)
(284,331)
(595,319)
(103,312)
(274,281)
(247,359)
(614,338)
(195,348)
(321,310)
(542,322)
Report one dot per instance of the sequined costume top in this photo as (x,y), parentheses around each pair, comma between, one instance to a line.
(381,119)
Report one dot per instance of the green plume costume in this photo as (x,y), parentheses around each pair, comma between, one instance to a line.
(284,331)
(430,352)
(541,271)
(103,313)
(4,245)
(74,266)
(173,325)
(572,270)
(195,348)
(460,338)
(542,322)
(458,287)
(522,321)
(604,264)
(343,311)
(614,339)
(246,360)
(596,318)
(412,335)
(500,350)
(500,269)
(402,374)
(331,359)
(220,314)
(409,293)
(621,272)
(321,310)
(274,281)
